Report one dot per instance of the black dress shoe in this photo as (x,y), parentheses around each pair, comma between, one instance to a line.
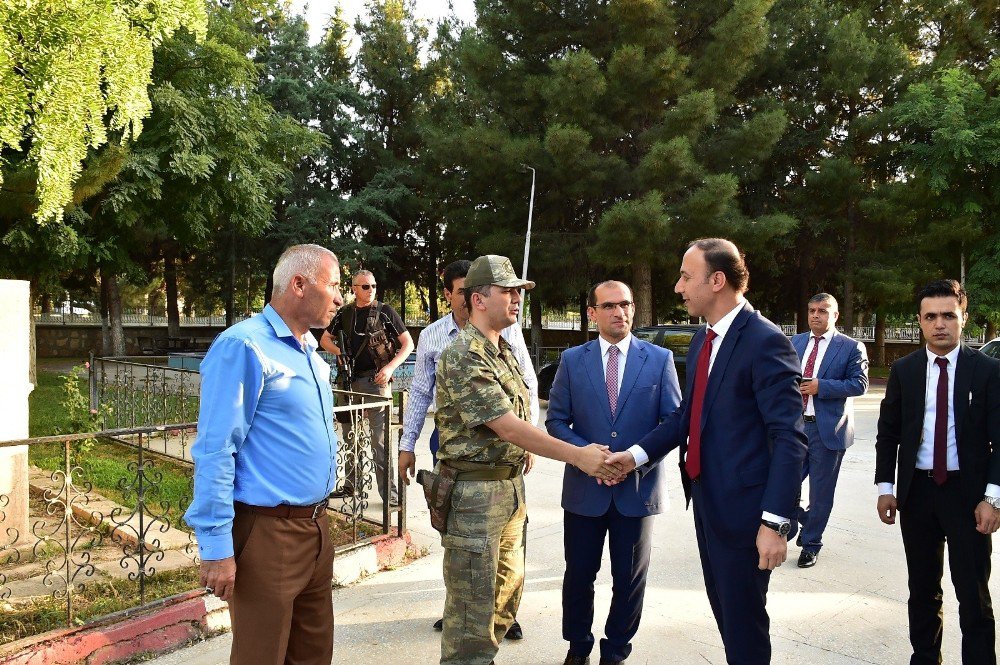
(807,559)
(798,541)
(514,632)
(572,659)
(439,625)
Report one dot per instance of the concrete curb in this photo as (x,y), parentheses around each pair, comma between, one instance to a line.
(172,622)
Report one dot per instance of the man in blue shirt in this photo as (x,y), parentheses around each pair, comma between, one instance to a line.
(265,463)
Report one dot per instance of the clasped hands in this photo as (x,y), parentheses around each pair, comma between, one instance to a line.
(607,467)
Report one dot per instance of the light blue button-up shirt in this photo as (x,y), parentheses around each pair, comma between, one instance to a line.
(265,428)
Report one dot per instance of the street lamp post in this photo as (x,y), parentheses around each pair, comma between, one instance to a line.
(527,242)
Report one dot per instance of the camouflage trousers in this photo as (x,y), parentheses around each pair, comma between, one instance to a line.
(483,568)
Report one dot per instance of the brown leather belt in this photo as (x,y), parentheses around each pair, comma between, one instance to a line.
(288,512)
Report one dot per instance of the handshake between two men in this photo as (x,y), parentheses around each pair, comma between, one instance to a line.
(607,467)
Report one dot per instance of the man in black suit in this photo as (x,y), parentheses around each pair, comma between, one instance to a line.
(938,433)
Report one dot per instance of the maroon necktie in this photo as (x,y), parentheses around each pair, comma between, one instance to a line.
(941,424)
(611,378)
(693,461)
(810,368)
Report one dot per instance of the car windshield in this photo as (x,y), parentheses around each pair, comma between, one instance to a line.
(992,349)
(677,341)
(647,335)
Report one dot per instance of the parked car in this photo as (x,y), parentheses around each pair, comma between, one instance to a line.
(992,348)
(675,337)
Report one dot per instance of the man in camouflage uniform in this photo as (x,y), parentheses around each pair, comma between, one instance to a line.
(482,416)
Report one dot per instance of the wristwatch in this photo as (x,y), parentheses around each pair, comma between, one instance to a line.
(781,527)
(993,501)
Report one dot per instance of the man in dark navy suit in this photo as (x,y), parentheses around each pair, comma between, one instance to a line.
(936,462)
(834,372)
(616,388)
(742,444)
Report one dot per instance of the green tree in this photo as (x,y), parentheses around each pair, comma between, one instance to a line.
(951,126)
(73,75)
(631,112)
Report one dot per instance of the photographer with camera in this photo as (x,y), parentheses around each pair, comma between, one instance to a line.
(375,343)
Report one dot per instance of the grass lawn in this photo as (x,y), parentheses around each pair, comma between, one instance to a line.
(96,600)
(105,464)
(46,415)
(878,372)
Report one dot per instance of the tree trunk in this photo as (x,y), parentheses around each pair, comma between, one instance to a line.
(805,269)
(991,329)
(847,307)
(583,318)
(45,303)
(880,337)
(105,323)
(402,302)
(642,285)
(154,302)
(269,286)
(231,281)
(535,311)
(116,333)
(432,297)
(170,279)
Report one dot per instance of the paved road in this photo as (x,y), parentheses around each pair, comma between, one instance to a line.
(850,608)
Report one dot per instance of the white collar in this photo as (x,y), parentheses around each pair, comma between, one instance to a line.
(722,326)
(952,356)
(828,335)
(623,345)
(452,324)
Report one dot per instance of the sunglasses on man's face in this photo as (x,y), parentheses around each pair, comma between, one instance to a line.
(365,287)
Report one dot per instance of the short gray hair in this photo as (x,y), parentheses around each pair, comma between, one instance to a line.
(302,260)
(362,273)
(825,297)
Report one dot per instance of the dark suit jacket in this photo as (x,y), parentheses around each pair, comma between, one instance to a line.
(579,412)
(842,375)
(752,441)
(977,422)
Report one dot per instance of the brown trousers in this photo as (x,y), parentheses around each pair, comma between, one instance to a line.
(282,606)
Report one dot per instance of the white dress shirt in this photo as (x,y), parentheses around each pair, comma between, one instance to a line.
(720,328)
(623,347)
(925,453)
(824,344)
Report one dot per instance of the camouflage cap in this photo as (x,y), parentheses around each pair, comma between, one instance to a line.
(493,269)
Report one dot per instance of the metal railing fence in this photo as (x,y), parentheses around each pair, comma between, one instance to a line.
(105,509)
(892,334)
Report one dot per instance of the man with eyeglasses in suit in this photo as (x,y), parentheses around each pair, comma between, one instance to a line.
(362,323)
(616,388)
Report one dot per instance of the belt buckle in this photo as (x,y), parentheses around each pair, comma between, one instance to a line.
(319,508)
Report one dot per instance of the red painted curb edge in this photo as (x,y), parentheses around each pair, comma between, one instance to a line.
(158,627)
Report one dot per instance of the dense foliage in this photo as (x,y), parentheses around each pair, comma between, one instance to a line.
(849,146)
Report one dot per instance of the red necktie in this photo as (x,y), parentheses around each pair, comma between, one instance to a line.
(693,461)
(941,424)
(810,368)
(611,378)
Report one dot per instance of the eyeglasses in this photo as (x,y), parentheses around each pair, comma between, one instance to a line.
(611,306)
(366,287)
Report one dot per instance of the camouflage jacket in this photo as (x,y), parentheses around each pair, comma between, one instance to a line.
(476,383)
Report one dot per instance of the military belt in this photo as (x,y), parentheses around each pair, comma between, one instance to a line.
(483,471)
